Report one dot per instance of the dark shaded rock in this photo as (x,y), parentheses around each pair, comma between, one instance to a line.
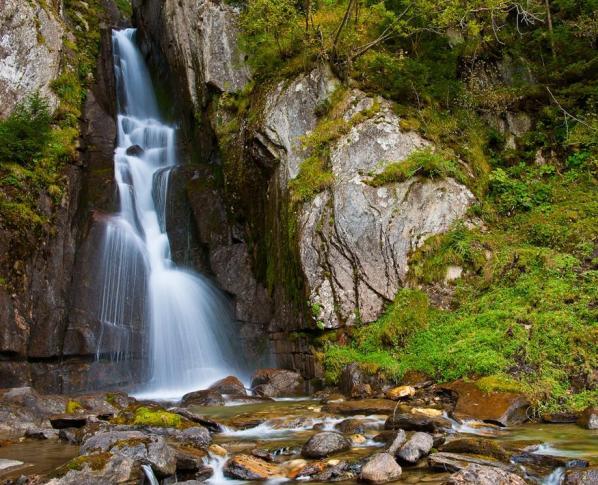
(586,476)
(381,468)
(335,473)
(417,422)
(134,151)
(187,462)
(229,385)
(203,398)
(484,475)
(203,473)
(418,446)
(478,446)
(502,408)
(537,465)
(41,434)
(208,423)
(364,406)
(277,382)
(355,383)
(560,418)
(62,421)
(245,467)
(324,444)
(70,436)
(589,418)
(350,426)
(453,462)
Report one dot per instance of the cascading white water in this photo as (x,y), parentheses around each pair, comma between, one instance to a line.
(187,319)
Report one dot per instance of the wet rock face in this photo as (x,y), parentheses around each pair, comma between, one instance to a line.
(324,444)
(30,50)
(201,38)
(356,239)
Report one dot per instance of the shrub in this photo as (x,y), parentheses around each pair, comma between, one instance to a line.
(25,134)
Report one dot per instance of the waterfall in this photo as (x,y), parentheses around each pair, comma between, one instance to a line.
(185,320)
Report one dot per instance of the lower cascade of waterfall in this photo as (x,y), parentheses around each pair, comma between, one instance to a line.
(186,325)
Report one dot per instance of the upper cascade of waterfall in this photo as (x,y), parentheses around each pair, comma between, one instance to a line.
(186,321)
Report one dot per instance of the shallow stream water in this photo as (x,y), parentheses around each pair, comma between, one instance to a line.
(288,424)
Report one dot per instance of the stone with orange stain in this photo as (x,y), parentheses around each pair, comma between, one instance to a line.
(246,467)
(503,408)
(401,392)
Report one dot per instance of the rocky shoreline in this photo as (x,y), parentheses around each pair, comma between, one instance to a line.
(420,432)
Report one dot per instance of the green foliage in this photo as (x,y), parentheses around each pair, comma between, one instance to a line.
(523,316)
(156,417)
(125,7)
(424,163)
(26,132)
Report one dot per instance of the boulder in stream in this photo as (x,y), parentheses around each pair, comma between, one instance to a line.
(589,418)
(502,408)
(362,406)
(417,422)
(277,382)
(134,151)
(324,444)
(205,397)
(477,446)
(484,475)
(229,385)
(581,476)
(381,468)
(418,446)
(246,467)
(454,462)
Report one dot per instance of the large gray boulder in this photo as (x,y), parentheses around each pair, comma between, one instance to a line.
(30,50)
(355,239)
(324,444)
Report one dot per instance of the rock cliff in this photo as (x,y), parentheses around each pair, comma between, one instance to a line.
(30,50)
(44,308)
(349,253)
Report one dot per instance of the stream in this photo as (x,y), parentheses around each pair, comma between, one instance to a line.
(283,426)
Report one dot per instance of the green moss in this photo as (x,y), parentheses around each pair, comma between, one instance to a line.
(313,178)
(125,8)
(523,316)
(421,163)
(73,407)
(501,383)
(156,417)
